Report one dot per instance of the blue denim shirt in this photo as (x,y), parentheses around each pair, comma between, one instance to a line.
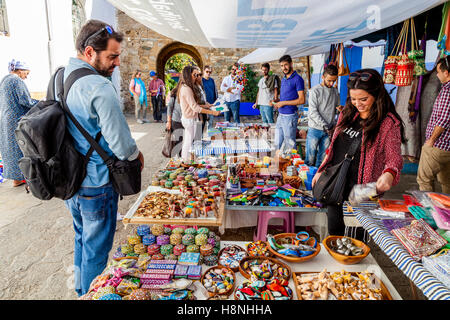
(94,102)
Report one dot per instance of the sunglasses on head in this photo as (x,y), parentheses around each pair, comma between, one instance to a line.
(108,29)
(363,76)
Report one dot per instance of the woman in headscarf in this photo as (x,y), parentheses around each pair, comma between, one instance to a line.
(15,101)
(139,93)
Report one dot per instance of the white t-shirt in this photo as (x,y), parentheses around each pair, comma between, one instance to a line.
(264,93)
(235,94)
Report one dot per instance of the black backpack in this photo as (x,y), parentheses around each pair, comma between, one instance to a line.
(51,165)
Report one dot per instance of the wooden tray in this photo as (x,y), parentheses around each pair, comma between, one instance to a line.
(294,259)
(226,293)
(124,258)
(342,258)
(384,291)
(220,253)
(184,221)
(248,276)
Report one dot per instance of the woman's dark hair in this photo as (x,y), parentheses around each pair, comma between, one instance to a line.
(382,105)
(186,79)
(100,41)
(174,91)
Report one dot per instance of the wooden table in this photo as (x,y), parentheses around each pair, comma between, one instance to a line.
(321,261)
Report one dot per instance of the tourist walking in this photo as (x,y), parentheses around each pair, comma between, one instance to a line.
(322,103)
(95,104)
(189,97)
(232,94)
(157,92)
(267,94)
(15,102)
(139,93)
(291,96)
(369,117)
(435,155)
(210,90)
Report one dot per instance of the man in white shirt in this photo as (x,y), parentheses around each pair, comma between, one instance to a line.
(267,93)
(232,90)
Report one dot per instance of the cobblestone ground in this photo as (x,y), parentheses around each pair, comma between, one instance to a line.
(36,255)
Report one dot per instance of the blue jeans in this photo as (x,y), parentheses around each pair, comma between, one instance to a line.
(234,109)
(94,212)
(286,128)
(266,114)
(317,141)
(210,121)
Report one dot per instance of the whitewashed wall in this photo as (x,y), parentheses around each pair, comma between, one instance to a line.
(29,38)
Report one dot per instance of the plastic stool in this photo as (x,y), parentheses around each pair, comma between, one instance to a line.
(263,223)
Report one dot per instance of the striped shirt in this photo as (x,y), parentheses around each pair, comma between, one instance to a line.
(440,117)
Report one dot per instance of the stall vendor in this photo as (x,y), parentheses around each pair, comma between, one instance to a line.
(292,95)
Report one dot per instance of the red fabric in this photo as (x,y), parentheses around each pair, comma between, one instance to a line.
(384,153)
(155,84)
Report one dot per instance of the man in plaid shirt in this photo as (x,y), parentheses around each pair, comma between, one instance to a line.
(435,156)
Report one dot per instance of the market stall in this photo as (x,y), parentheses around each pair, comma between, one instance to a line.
(176,263)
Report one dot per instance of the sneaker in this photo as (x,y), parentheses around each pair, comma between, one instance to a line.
(139,121)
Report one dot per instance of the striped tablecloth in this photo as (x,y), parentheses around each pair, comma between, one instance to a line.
(431,287)
(218,147)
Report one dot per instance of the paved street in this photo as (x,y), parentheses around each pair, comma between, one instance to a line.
(36,254)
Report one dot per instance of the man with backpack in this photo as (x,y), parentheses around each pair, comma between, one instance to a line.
(94,103)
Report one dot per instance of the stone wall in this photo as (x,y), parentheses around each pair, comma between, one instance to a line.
(143,48)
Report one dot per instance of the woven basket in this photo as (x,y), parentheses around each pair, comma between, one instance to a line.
(283,164)
(294,181)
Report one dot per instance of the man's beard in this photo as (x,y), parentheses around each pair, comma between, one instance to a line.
(289,71)
(102,70)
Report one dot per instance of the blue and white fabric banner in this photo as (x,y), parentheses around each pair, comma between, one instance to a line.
(295,25)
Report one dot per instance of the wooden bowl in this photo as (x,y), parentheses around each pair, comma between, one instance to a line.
(294,259)
(290,298)
(342,258)
(267,245)
(260,259)
(220,254)
(226,293)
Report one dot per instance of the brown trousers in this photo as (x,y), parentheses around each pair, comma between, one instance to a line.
(434,162)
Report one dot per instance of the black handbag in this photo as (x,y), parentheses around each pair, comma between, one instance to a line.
(329,188)
(125,175)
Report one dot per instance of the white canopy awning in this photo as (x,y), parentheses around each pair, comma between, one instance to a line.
(270,54)
(301,26)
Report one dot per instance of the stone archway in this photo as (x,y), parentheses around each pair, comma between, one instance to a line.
(172,49)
